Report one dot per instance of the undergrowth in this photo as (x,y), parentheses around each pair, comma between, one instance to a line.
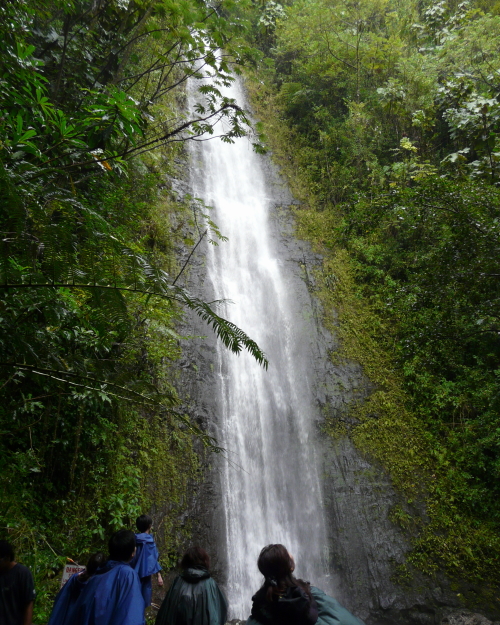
(73,467)
(446,535)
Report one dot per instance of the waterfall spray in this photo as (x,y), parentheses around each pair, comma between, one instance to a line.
(270,478)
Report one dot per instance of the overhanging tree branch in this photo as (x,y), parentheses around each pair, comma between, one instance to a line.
(230,334)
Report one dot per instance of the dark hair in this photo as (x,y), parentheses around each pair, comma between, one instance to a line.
(96,560)
(277,566)
(194,558)
(6,550)
(144,522)
(121,545)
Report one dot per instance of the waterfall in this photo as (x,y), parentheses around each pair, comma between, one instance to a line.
(265,419)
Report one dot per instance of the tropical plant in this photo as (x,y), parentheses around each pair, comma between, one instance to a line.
(92,117)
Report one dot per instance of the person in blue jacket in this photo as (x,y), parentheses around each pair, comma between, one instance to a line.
(285,600)
(145,561)
(64,604)
(112,596)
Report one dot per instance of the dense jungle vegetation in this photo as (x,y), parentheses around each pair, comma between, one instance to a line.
(92,120)
(385,116)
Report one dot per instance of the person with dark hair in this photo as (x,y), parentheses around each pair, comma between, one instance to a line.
(112,595)
(194,597)
(64,604)
(145,561)
(285,600)
(17,589)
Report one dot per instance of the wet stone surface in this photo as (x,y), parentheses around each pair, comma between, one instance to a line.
(464,617)
(363,544)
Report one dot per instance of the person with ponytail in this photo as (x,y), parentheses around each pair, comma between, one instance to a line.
(285,600)
(63,610)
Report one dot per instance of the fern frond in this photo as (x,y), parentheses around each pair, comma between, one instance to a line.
(233,337)
(230,334)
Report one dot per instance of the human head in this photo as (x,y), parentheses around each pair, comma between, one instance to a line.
(122,546)
(275,563)
(144,523)
(195,557)
(96,560)
(6,555)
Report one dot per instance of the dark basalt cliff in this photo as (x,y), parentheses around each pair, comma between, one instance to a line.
(363,544)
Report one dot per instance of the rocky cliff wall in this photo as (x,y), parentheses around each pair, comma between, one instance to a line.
(364,546)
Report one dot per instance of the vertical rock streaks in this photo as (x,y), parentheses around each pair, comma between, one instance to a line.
(270,480)
(282,479)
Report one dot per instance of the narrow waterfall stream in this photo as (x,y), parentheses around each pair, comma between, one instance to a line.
(265,419)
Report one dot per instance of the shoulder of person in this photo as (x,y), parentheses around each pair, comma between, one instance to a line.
(125,574)
(24,577)
(260,595)
(124,570)
(260,612)
(22,570)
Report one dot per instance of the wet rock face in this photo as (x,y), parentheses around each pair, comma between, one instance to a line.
(464,617)
(363,544)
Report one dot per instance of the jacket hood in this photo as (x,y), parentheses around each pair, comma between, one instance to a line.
(293,607)
(195,575)
(144,538)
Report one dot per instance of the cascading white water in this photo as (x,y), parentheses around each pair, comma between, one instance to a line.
(270,482)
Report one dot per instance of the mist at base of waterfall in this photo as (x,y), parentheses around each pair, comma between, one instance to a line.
(265,419)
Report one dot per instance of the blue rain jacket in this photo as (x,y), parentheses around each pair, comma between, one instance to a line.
(64,604)
(111,597)
(330,612)
(145,561)
(193,599)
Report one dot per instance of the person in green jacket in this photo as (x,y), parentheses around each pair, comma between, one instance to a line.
(286,600)
(194,597)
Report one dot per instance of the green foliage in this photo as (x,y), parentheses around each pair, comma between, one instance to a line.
(355,79)
(54,236)
(436,275)
(91,114)
(89,438)
(392,112)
